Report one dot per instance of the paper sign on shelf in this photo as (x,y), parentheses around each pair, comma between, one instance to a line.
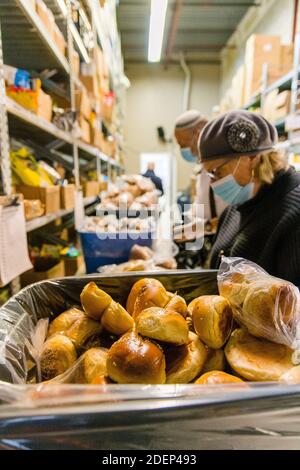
(79,210)
(14,257)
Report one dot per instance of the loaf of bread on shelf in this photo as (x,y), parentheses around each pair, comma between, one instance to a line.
(184,363)
(257,360)
(58,355)
(133,359)
(212,319)
(146,293)
(217,377)
(162,325)
(116,320)
(94,300)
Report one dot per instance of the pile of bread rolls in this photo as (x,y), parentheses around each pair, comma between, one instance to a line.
(159,339)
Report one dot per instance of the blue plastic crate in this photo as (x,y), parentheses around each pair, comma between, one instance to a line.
(100,251)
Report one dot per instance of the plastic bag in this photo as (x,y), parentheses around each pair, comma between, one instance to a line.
(267,306)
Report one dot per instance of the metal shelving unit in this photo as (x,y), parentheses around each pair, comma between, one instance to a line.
(39,222)
(27,44)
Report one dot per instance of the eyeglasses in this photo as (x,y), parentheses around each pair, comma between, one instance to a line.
(213,174)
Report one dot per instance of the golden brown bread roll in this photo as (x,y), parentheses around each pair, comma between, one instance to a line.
(146,293)
(216,377)
(184,363)
(82,330)
(190,307)
(215,360)
(157,323)
(58,355)
(92,364)
(94,300)
(292,376)
(271,311)
(256,359)
(133,359)
(64,321)
(116,320)
(177,304)
(212,319)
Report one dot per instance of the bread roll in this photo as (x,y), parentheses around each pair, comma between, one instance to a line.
(116,320)
(146,293)
(133,359)
(212,319)
(184,363)
(94,300)
(256,359)
(64,321)
(92,364)
(100,380)
(217,377)
(215,360)
(58,355)
(271,310)
(157,323)
(177,304)
(292,376)
(77,326)
(82,330)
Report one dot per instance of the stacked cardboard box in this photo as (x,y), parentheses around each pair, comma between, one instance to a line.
(48,20)
(49,196)
(260,50)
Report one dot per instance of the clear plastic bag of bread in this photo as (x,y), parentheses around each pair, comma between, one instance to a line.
(267,306)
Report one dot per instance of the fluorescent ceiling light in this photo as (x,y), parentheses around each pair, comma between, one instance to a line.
(156,30)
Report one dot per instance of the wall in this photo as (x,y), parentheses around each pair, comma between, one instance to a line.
(155,99)
(273,17)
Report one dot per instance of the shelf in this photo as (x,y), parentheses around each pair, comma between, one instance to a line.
(255,100)
(60,12)
(26,42)
(46,219)
(26,123)
(32,119)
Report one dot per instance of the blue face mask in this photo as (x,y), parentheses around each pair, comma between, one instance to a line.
(187,155)
(231,192)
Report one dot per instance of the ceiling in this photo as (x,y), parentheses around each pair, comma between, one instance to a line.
(198,28)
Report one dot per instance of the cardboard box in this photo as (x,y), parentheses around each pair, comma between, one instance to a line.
(49,196)
(260,50)
(282,105)
(270,105)
(30,277)
(72,264)
(97,138)
(91,188)
(67,196)
(85,130)
(287,57)
(46,16)
(83,103)
(75,63)
(238,88)
(91,84)
(44,105)
(60,40)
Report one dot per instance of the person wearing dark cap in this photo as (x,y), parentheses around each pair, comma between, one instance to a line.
(188,127)
(262,221)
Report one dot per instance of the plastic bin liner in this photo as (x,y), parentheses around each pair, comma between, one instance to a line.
(41,416)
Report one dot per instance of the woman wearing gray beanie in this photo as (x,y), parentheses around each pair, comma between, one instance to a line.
(262,221)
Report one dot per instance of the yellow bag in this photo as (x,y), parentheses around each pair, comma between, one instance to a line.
(27,169)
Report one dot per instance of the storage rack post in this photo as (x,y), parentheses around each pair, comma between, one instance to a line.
(4,134)
(72,89)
